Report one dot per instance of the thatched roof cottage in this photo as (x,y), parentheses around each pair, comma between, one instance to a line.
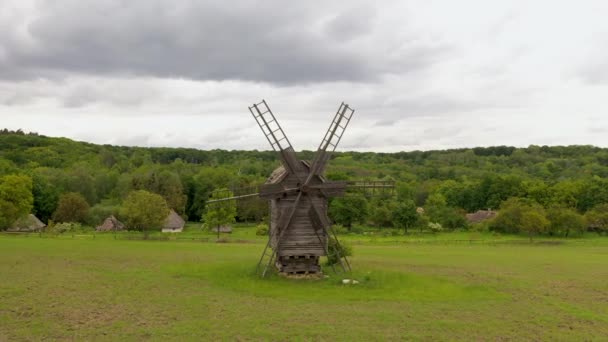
(110,224)
(173,223)
(29,223)
(481,215)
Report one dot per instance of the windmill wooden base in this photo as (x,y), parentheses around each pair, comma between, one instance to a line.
(298,264)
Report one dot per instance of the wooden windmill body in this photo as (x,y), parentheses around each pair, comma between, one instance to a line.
(300,229)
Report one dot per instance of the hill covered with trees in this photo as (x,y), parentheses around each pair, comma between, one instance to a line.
(447,183)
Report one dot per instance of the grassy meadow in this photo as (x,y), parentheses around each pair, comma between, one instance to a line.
(107,288)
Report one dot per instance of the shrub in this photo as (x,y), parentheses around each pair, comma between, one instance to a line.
(597,218)
(483,226)
(339,229)
(435,227)
(565,221)
(335,250)
(261,229)
(390,232)
(65,227)
(520,216)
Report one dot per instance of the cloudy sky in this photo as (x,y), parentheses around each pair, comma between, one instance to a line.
(420,74)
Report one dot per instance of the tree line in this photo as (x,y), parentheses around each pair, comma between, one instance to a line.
(447,184)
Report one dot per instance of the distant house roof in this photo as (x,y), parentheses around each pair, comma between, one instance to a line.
(481,215)
(28,223)
(174,221)
(111,223)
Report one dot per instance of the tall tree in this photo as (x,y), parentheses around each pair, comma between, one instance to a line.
(597,218)
(405,215)
(16,198)
(72,207)
(143,210)
(221,213)
(565,221)
(348,210)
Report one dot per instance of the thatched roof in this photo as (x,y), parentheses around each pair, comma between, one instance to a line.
(174,221)
(481,215)
(279,174)
(110,224)
(223,229)
(29,223)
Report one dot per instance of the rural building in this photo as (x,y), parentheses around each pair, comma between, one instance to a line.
(110,224)
(29,223)
(173,223)
(481,215)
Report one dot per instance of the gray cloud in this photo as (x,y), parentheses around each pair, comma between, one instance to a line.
(247,40)
(420,74)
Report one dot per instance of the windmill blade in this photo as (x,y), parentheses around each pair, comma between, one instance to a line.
(275,135)
(331,140)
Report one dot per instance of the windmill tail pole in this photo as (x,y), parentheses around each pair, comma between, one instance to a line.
(232,198)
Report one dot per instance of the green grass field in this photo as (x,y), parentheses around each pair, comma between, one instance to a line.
(114,289)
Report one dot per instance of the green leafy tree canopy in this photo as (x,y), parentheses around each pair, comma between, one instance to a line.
(16,199)
(72,207)
(220,213)
(143,210)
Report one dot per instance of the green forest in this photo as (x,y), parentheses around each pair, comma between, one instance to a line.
(555,190)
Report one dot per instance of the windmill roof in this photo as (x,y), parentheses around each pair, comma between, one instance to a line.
(173,220)
(279,174)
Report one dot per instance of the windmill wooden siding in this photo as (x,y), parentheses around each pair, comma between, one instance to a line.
(304,240)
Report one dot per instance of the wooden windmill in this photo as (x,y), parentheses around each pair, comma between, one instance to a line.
(298,192)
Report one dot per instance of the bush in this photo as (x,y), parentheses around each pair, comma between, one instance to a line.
(337,250)
(450,218)
(390,232)
(519,215)
(483,226)
(597,218)
(435,227)
(565,222)
(261,229)
(357,230)
(64,227)
(339,229)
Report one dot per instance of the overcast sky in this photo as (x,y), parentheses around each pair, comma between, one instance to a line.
(420,74)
